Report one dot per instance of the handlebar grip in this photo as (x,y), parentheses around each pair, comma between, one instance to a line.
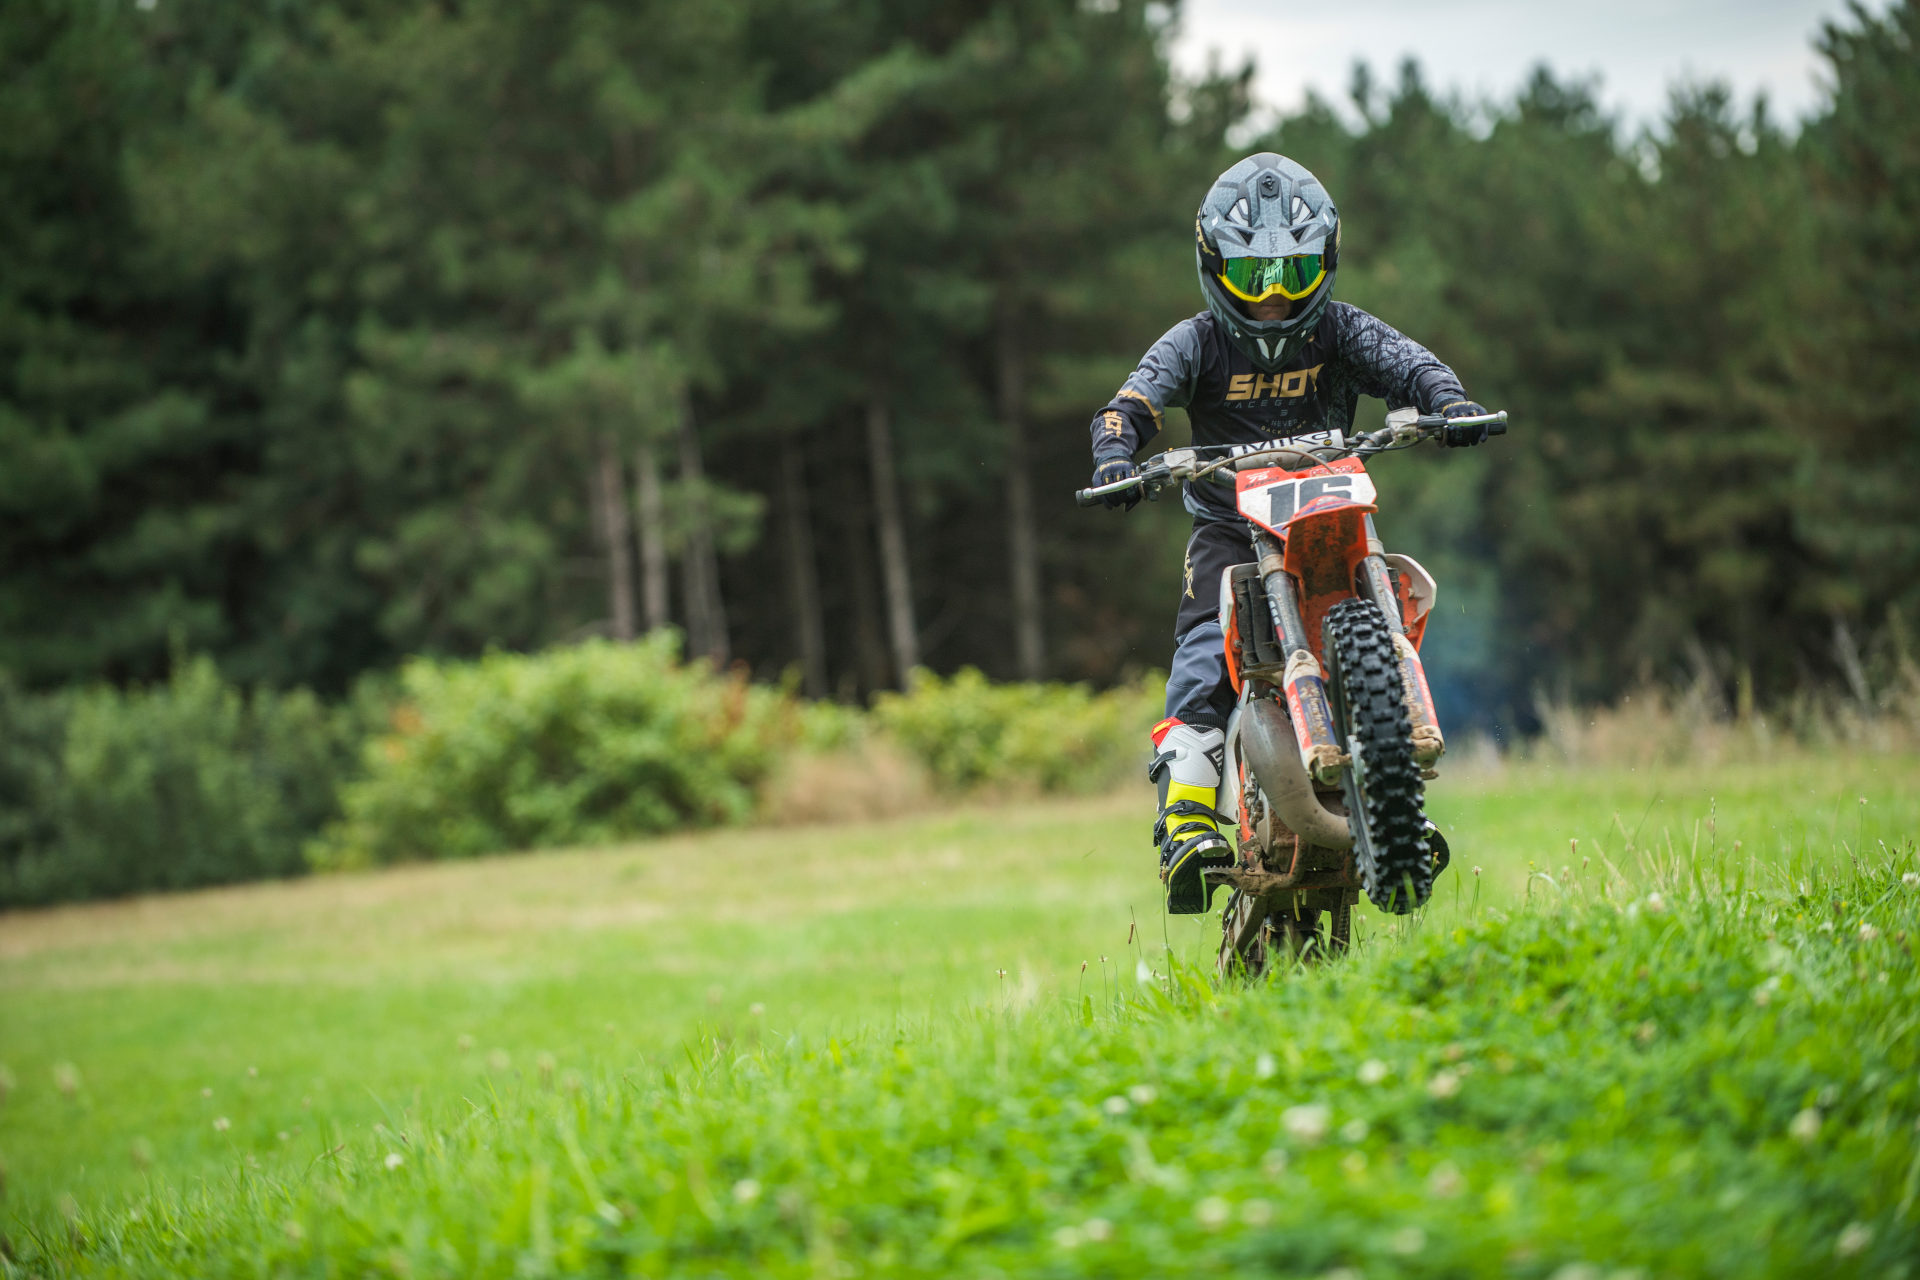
(1498,428)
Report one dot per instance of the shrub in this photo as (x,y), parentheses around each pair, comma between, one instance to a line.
(573,746)
(970,732)
(32,729)
(192,782)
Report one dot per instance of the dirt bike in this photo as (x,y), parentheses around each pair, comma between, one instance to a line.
(1333,736)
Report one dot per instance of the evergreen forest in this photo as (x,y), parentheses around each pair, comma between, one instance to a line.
(337,333)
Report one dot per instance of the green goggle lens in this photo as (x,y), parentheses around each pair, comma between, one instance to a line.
(1257,279)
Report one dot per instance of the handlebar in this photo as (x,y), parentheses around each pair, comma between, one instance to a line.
(1404,428)
(1091,497)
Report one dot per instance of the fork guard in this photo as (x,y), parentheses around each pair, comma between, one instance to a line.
(1305,684)
(1428,745)
(1267,743)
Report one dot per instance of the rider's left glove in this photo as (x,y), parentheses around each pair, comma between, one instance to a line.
(1464,436)
(1114,469)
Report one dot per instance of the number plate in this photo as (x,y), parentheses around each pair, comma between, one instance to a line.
(1273,503)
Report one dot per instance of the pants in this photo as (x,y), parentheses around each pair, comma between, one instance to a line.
(1198,692)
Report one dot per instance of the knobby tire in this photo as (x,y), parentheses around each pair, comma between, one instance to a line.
(1384,793)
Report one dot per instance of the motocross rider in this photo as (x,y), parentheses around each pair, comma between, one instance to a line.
(1272,357)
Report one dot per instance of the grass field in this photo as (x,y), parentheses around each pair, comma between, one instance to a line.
(804,1051)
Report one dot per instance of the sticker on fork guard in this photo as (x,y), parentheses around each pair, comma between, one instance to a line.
(1307,700)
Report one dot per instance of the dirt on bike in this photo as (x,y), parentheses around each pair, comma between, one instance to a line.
(1333,736)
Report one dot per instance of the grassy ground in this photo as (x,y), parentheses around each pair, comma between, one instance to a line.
(250,1059)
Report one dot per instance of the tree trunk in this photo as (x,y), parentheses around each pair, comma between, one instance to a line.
(893,542)
(651,508)
(1023,546)
(610,500)
(869,650)
(706,614)
(803,582)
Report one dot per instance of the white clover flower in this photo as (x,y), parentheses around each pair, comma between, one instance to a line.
(1097,1229)
(1444,1084)
(1373,1071)
(1116,1106)
(1274,1163)
(1354,1130)
(1806,1125)
(1213,1213)
(394,1160)
(1656,905)
(746,1191)
(1308,1122)
(1577,1271)
(1265,1067)
(1853,1237)
(1867,932)
(1911,878)
(221,1124)
(1256,1213)
(1067,1238)
(1445,1181)
(1142,1094)
(1407,1241)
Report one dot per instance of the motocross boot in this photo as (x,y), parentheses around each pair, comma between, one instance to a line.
(1186,767)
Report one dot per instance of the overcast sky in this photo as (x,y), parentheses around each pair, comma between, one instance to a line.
(1486,47)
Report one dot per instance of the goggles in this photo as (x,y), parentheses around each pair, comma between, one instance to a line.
(1257,279)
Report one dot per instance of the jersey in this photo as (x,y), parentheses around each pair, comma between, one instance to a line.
(1194,367)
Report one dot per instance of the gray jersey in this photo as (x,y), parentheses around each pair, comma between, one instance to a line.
(1194,367)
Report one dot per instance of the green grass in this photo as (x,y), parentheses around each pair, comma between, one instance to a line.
(651,1033)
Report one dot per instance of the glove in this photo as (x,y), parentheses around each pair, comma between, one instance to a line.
(1464,436)
(1117,469)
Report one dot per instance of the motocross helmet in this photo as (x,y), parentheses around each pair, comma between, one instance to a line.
(1267,229)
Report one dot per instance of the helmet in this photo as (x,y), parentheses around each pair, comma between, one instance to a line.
(1267,229)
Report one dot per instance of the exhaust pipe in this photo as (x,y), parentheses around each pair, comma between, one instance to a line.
(1267,745)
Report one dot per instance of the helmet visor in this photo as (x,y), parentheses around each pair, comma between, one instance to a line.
(1257,279)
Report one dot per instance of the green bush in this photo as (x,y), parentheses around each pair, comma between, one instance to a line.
(580,745)
(106,791)
(970,732)
(32,729)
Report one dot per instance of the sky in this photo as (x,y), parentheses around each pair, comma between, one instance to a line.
(1486,48)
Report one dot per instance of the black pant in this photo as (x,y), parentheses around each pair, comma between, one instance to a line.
(1198,691)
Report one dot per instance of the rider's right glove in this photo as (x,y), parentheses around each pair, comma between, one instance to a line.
(1462,437)
(1108,472)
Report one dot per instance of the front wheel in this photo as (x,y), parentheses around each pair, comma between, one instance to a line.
(1384,793)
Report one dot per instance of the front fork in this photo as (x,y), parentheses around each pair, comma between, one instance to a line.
(1305,680)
